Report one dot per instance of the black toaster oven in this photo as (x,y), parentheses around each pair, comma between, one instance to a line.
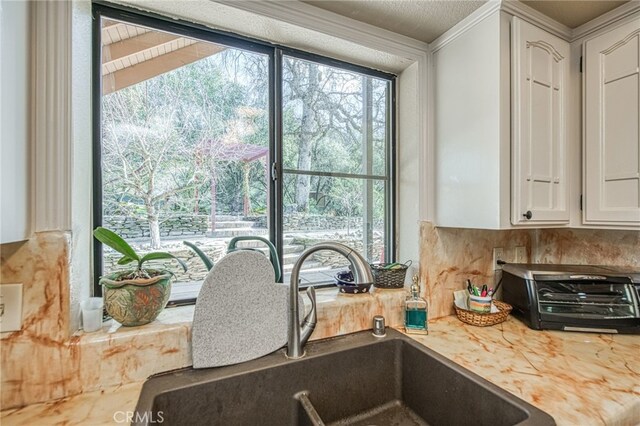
(598,299)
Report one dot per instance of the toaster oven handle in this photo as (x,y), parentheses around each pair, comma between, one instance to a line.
(587,277)
(591,329)
(583,277)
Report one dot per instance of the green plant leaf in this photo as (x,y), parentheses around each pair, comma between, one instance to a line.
(205,259)
(124,260)
(113,240)
(161,255)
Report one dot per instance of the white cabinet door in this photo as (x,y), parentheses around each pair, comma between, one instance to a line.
(14,121)
(539,65)
(611,116)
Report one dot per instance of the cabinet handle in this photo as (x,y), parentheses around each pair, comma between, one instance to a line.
(528,214)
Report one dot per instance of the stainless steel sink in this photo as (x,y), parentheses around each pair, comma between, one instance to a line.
(350,380)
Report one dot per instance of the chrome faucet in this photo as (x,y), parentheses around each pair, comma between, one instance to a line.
(298,336)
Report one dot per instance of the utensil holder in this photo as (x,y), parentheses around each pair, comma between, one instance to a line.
(484,320)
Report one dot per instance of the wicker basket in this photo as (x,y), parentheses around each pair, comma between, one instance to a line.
(485,320)
(389,278)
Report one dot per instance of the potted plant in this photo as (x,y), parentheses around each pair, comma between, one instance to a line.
(134,296)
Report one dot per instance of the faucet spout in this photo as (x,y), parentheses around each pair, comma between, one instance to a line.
(298,336)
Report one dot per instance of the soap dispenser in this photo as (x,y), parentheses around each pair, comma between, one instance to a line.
(415,311)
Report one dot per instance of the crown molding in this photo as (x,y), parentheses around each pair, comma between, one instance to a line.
(323,21)
(602,21)
(465,25)
(532,16)
(521,10)
(512,7)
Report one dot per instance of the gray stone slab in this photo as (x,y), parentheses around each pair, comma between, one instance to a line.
(241,313)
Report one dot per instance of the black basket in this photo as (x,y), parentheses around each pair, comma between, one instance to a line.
(389,278)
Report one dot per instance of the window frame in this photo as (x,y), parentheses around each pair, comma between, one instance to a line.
(275,53)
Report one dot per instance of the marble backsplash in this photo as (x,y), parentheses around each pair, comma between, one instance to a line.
(44,361)
(588,246)
(450,256)
(41,265)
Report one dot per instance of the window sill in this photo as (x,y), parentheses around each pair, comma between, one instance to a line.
(338,314)
(118,355)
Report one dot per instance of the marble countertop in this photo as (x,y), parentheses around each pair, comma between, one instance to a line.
(578,378)
(107,407)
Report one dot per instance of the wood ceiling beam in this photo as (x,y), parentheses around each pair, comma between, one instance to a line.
(110,23)
(148,69)
(109,27)
(134,45)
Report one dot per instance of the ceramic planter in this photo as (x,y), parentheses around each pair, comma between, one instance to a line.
(137,301)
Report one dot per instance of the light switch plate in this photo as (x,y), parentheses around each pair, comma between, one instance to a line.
(498,254)
(521,254)
(10,307)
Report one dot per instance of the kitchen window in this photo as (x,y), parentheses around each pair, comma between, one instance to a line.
(201,136)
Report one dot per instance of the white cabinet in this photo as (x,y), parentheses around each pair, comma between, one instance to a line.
(14,121)
(539,79)
(611,168)
(498,157)
(471,137)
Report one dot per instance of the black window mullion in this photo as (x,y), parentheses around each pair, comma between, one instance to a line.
(96,101)
(390,189)
(276,195)
(334,174)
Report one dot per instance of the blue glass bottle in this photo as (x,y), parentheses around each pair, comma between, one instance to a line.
(415,311)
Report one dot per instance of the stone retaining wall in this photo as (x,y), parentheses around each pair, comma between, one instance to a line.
(216,249)
(198,225)
(175,226)
(333,259)
(309,222)
(196,271)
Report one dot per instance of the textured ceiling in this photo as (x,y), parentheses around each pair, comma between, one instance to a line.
(573,13)
(425,20)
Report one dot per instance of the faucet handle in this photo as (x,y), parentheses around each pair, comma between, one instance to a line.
(309,323)
(311,316)
(311,292)
(378,326)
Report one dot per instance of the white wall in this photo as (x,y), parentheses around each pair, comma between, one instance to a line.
(81,208)
(408,166)
(14,121)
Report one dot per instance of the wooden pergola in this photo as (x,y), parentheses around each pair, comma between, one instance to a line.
(245,153)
